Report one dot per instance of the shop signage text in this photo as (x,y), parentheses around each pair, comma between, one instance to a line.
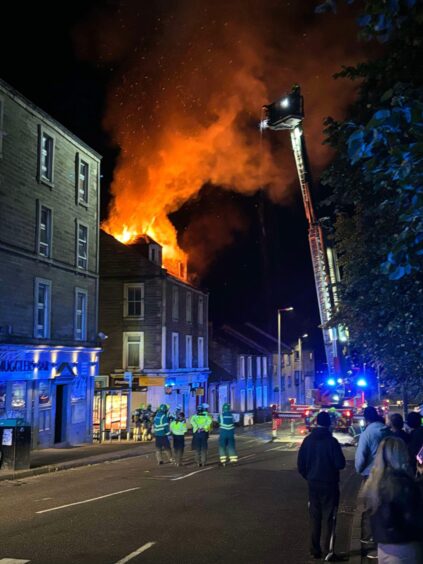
(23,365)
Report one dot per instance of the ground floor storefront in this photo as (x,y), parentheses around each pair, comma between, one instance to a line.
(51,389)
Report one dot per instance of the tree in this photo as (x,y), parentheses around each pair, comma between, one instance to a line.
(376,183)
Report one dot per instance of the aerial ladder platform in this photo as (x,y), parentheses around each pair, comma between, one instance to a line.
(287,113)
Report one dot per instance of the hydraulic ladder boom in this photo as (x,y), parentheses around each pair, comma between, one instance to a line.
(288,114)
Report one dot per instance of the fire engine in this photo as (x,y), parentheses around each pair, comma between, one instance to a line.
(341,417)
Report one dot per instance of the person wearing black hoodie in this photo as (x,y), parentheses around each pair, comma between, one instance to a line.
(320,459)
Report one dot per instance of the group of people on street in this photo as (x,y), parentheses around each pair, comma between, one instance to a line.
(202,424)
(390,462)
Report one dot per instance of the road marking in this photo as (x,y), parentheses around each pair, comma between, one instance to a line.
(192,473)
(13,561)
(274,448)
(245,457)
(86,500)
(136,552)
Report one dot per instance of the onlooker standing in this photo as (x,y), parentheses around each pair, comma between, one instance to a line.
(178,428)
(395,504)
(368,444)
(397,427)
(414,421)
(320,459)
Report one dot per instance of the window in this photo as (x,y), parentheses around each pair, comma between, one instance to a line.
(83,181)
(249,367)
(82,246)
(297,355)
(242,402)
(175,303)
(44,231)
(200,345)
(188,307)
(250,399)
(188,351)
(133,350)
(175,350)
(259,400)
(45,157)
(297,377)
(264,359)
(155,254)
(200,310)
(242,367)
(258,367)
(42,301)
(134,300)
(289,381)
(44,420)
(81,299)
(1,126)
(265,396)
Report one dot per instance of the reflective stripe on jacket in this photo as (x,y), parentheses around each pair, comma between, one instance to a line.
(178,427)
(226,421)
(201,423)
(161,425)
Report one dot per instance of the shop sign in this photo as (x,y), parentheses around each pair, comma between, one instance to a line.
(151,381)
(199,392)
(22,365)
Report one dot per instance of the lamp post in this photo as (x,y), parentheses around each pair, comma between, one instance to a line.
(300,359)
(279,351)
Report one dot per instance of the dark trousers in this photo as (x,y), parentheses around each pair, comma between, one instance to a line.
(200,446)
(323,502)
(178,448)
(162,443)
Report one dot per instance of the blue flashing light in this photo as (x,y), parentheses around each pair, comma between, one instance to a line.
(331,382)
(362,383)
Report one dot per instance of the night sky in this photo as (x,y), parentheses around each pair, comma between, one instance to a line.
(79,61)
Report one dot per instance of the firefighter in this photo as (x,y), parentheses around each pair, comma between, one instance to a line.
(161,433)
(227,436)
(178,428)
(201,426)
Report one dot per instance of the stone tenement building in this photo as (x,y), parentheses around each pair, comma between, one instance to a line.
(49,202)
(156,326)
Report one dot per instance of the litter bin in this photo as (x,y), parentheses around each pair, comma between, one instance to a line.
(15,444)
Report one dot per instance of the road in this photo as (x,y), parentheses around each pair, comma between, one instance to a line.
(135,511)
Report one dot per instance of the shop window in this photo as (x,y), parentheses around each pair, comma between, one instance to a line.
(264,367)
(134,301)
(18,396)
(44,393)
(250,399)
(2,399)
(44,420)
(265,396)
(259,400)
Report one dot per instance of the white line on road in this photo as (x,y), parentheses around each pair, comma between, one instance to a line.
(274,448)
(245,457)
(86,500)
(13,561)
(136,552)
(192,473)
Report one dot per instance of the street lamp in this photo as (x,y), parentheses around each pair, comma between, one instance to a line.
(279,351)
(300,359)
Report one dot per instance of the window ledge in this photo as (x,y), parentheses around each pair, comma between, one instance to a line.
(46,182)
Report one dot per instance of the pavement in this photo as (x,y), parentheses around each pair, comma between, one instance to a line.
(114,500)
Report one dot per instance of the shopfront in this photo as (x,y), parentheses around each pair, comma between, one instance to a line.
(51,388)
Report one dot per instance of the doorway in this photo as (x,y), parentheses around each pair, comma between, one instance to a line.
(60,419)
